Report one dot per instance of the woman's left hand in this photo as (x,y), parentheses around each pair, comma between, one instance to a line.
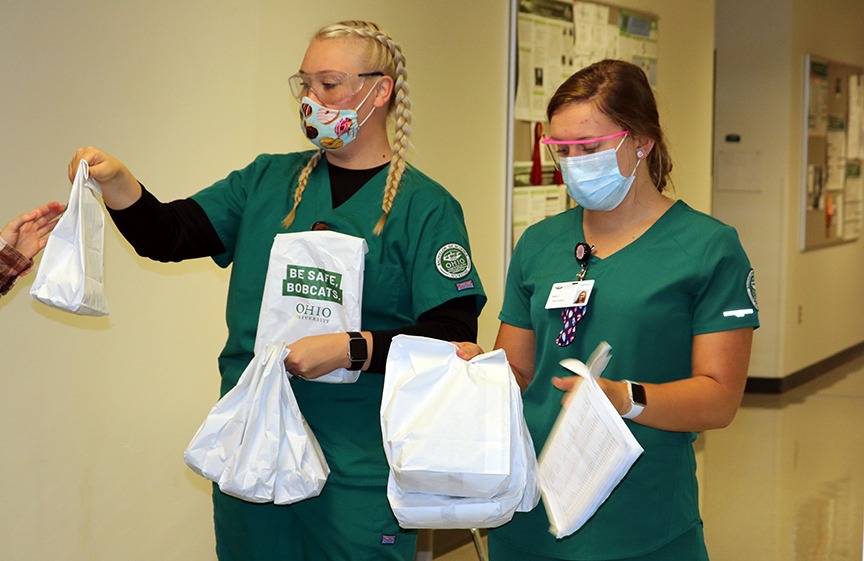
(707,400)
(615,391)
(316,355)
(567,384)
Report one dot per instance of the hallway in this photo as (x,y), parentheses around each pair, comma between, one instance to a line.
(785,481)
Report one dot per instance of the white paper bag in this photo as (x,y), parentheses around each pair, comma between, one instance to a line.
(429,510)
(314,286)
(70,275)
(446,421)
(440,508)
(255,443)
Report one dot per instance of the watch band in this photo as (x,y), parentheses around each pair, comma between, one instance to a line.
(638,400)
(357,350)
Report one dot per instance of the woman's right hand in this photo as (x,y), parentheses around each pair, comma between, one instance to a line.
(120,189)
(467,351)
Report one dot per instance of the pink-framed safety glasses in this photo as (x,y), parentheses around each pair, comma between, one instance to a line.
(557,148)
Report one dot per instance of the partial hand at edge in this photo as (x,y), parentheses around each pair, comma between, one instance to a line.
(26,233)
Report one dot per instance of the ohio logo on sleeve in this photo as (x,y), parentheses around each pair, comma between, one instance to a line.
(453,261)
(751,288)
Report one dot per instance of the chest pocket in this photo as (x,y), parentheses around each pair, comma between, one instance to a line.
(386,297)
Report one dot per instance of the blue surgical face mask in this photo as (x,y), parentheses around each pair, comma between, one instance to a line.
(594,181)
(330,129)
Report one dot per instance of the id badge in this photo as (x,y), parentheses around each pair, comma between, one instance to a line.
(569,294)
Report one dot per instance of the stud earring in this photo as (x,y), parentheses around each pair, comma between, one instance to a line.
(640,154)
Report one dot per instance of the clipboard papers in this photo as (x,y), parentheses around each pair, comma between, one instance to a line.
(588,452)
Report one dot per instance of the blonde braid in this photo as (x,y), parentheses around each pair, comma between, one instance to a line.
(400,105)
(402,133)
(301,186)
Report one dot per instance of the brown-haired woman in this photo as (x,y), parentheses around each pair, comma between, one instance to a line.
(671,291)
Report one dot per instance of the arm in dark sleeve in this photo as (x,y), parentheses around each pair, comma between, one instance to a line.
(454,320)
(167,231)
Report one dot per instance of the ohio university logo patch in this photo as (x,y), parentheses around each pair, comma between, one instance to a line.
(453,261)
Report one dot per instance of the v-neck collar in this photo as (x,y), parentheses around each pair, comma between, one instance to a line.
(645,237)
(350,183)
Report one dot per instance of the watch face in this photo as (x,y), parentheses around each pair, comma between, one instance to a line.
(357,348)
(639,394)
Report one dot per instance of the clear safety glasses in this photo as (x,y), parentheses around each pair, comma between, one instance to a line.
(331,88)
(567,148)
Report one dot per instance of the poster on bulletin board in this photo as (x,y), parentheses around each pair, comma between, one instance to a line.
(555,39)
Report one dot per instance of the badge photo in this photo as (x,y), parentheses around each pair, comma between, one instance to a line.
(569,294)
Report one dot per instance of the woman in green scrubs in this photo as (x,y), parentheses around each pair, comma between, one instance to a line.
(669,288)
(419,279)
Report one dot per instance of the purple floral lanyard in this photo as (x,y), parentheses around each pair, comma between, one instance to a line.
(572,316)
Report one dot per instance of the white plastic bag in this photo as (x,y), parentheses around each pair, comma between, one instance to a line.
(446,421)
(218,437)
(314,286)
(428,510)
(441,382)
(70,275)
(255,443)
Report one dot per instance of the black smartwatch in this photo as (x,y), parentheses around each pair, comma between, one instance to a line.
(638,401)
(357,350)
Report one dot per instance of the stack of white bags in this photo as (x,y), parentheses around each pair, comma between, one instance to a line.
(459,450)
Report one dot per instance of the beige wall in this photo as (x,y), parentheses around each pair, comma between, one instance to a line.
(760,76)
(826,284)
(761,99)
(96,412)
(753,102)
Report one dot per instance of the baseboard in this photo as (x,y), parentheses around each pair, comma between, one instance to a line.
(781,385)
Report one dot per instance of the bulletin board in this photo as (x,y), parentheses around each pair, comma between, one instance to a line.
(555,39)
(832,186)
(550,41)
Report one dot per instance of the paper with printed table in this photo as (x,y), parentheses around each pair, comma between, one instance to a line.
(588,452)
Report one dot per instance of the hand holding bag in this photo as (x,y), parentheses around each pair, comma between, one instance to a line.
(255,443)
(314,286)
(70,275)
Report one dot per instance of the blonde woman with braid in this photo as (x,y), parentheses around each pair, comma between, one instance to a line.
(419,279)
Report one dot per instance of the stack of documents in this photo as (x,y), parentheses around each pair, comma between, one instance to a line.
(588,452)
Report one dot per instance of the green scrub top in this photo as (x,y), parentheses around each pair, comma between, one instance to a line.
(421,260)
(687,275)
